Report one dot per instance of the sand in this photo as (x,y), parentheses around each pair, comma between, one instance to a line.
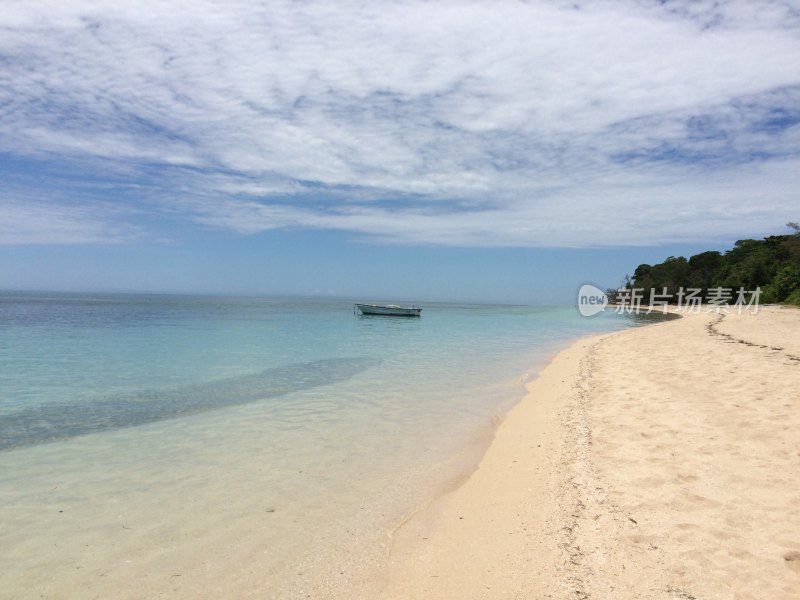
(657,462)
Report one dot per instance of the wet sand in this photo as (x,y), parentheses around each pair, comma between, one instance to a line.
(659,462)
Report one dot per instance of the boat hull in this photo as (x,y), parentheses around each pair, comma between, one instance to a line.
(388,311)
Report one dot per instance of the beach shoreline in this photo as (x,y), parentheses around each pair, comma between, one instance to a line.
(287,497)
(655,462)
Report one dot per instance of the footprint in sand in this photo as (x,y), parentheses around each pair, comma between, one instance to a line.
(793,560)
(648,482)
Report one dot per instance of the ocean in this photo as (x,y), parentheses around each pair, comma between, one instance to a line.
(182,445)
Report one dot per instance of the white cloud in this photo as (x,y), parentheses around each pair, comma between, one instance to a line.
(453,123)
(36,222)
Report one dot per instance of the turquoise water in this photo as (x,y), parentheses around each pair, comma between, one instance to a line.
(298,408)
(76,364)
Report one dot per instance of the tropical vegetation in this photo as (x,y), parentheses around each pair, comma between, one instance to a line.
(771,264)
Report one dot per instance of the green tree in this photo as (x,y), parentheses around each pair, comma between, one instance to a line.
(772,264)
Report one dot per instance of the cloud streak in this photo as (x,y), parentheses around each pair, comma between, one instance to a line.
(533,124)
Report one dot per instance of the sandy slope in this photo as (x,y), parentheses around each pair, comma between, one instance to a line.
(661,462)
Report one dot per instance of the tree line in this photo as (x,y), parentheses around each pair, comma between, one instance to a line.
(771,264)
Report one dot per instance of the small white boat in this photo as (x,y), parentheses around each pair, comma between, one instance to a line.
(389,310)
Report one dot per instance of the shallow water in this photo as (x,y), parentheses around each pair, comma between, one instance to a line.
(139,435)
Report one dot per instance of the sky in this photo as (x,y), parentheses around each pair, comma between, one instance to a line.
(497,151)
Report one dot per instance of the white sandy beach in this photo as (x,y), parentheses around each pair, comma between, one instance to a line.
(659,462)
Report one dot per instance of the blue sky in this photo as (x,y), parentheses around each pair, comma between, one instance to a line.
(459,150)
